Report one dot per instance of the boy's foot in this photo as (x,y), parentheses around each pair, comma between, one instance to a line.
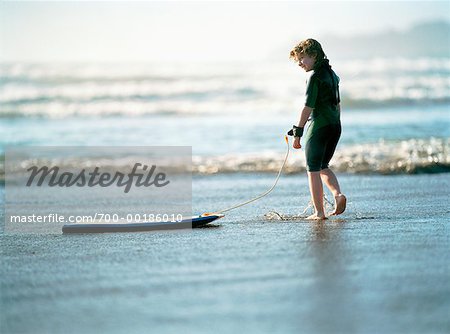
(340,204)
(316,217)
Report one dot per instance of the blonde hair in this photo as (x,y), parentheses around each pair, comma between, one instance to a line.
(310,47)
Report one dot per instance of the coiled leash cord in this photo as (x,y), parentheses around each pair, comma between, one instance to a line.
(263,194)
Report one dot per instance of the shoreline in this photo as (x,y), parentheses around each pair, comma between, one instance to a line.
(374,268)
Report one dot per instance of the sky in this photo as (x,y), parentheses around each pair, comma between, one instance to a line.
(191,31)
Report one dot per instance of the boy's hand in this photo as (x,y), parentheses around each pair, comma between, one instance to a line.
(296,143)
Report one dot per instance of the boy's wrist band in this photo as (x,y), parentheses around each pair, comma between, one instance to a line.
(298,132)
(295,131)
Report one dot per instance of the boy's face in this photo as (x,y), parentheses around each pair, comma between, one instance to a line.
(306,62)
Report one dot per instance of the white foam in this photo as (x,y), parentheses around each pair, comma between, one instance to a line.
(58,90)
(407,156)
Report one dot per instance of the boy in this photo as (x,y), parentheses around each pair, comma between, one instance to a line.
(323,105)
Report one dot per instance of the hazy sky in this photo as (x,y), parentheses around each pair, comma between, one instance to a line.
(201,31)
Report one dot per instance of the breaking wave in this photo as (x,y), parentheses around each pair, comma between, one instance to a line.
(412,156)
(405,157)
(61,90)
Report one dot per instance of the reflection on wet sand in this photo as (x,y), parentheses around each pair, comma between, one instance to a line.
(332,285)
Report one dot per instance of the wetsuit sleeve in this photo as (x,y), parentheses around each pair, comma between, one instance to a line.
(312,89)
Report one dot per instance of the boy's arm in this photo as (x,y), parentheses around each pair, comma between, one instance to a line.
(304,116)
(297,131)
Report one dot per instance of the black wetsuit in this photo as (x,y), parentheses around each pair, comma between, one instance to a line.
(322,136)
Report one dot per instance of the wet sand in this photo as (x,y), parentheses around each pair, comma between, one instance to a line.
(381,267)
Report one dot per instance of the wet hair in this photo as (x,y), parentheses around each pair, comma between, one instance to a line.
(310,47)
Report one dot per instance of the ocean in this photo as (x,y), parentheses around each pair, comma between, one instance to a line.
(381,267)
(394,112)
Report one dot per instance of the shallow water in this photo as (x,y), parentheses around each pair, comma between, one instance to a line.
(222,133)
(380,267)
(383,141)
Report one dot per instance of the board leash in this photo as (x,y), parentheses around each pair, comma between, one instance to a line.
(259,196)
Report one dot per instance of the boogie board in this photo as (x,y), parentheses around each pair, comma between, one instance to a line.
(196,221)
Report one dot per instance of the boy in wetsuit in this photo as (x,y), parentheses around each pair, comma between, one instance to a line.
(323,105)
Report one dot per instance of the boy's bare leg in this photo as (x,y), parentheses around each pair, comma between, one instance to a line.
(330,180)
(316,189)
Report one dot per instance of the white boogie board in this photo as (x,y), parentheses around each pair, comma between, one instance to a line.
(195,221)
